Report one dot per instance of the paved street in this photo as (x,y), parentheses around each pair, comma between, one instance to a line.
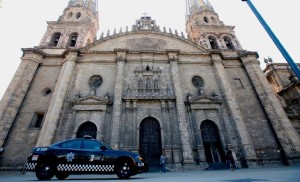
(284,174)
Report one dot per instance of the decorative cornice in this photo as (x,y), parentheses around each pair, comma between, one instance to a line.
(143,98)
(33,50)
(91,100)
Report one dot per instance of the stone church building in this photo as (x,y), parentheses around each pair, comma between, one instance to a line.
(148,90)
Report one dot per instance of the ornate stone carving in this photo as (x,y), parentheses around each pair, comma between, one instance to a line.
(146,44)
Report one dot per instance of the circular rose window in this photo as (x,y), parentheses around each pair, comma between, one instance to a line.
(95,81)
(197,81)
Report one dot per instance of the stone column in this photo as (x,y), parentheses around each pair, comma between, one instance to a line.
(135,143)
(16,91)
(57,100)
(236,116)
(117,105)
(182,121)
(165,123)
(286,133)
(125,132)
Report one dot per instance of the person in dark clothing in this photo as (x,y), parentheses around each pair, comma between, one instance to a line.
(230,160)
(163,163)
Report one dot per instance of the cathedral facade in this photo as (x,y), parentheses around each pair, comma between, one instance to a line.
(147,90)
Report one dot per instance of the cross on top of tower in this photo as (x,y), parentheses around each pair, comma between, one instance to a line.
(145,14)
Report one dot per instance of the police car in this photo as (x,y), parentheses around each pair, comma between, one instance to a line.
(82,156)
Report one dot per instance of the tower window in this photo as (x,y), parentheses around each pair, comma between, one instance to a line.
(228,43)
(205,19)
(78,15)
(37,120)
(73,39)
(55,39)
(213,42)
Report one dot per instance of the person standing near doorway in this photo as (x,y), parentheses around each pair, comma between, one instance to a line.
(230,160)
(162,163)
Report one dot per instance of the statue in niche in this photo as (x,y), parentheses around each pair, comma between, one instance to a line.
(168,90)
(141,85)
(156,89)
(201,91)
(148,85)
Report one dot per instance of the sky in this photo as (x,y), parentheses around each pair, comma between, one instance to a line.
(23,24)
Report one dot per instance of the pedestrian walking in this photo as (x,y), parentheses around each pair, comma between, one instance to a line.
(230,160)
(162,163)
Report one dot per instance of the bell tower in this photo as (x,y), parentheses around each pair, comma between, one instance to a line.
(75,28)
(204,27)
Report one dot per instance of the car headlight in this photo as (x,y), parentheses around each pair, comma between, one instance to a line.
(138,158)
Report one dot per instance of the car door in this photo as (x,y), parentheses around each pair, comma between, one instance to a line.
(96,157)
(69,156)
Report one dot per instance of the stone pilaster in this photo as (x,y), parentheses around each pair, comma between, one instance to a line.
(16,92)
(118,93)
(167,136)
(57,100)
(125,127)
(135,143)
(286,133)
(182,121)
(236,115)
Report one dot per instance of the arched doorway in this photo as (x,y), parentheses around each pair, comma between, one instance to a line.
(150,141)
(87,128)
(211,142)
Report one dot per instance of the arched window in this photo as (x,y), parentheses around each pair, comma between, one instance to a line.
(213,42)
(228,42)
(147,68)
(205,19)
(73,39)
(78,15)
(55,39)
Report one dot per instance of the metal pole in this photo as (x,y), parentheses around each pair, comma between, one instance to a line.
(284,53)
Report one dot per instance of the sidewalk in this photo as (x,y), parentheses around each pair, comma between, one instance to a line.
(278,174)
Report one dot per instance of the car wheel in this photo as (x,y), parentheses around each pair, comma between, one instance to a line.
(61,175)
(124,170)
(44,171)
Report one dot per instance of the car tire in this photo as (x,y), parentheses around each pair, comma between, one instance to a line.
(61,175)
(44,171)
(124,170)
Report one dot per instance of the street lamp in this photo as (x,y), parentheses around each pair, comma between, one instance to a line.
(284,53)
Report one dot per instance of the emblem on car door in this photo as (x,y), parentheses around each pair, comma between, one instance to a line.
(70,157)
